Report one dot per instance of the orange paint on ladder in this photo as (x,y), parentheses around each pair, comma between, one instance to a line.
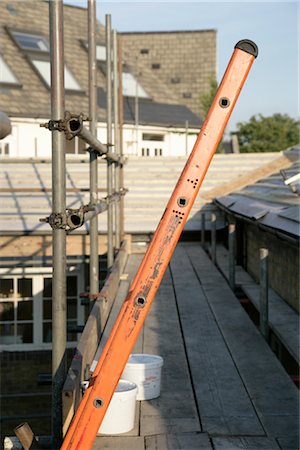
(91,411)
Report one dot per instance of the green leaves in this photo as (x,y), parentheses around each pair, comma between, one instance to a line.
(268,134)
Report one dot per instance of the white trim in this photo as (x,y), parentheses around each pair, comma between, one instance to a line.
(37,274)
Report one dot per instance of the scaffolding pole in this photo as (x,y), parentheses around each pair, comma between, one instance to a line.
(116,136)
(120,96)
(59,309)
(110,234)
(94,257)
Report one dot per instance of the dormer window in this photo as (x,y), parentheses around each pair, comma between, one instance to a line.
(37,50)
(131,86)
(31,42)
(43,69)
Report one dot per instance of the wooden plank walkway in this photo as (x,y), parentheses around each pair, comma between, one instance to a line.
(222,387)
(283,320)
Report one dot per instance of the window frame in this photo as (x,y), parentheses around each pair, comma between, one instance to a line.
(45,58)
(11,32)
(38,274)
(41,55)
(9,84)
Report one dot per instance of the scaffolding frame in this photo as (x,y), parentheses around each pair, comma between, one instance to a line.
(65,125)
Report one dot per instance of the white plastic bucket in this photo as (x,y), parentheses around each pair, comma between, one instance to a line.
(120,415)
(145,371)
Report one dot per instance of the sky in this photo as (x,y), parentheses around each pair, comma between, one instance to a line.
(273,83)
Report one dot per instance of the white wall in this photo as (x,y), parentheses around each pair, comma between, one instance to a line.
(29,140)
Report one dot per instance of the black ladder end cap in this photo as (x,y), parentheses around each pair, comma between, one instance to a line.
(248,46)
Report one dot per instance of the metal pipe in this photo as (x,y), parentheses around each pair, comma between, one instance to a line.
(232,250)
(120,70)
(110,248)
(59,303)
(213,237)
(203,229)
(94,256)
(136,109)
(75,127)
(264,291)
(186,137)
(116,136)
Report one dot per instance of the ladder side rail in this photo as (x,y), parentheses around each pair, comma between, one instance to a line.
(95,402)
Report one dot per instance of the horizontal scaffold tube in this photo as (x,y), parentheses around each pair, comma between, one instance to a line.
(93,406)
(77,217)
(75,127)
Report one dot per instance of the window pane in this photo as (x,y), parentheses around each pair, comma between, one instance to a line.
(153,137)
(72,286)
(70,82)
(130,86)
(47,332)
(43,68)
(6,311)
(25,310)
(25,333)
(7,334)
(101,53)
(25,287)
(72,308)
(31,41)
(6,287)
(47,287)
(47,310)
(6,75)
(71,337)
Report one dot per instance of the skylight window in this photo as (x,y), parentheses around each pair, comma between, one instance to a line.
(43,68)
(33,42)
(6,75)
(131,87)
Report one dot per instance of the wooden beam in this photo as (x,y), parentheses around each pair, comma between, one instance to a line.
(90,337)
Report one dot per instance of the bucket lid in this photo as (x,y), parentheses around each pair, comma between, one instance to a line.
(145,360)
(125,386)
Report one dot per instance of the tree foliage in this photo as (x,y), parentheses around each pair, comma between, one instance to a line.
(268,134)
(207,98)
(206,101)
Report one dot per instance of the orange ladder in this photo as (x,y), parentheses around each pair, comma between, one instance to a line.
(91,411)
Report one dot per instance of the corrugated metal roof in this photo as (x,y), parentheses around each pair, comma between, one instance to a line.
(269,201)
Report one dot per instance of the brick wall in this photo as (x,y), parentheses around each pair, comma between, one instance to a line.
(283,263)
(20,393)
(187,60)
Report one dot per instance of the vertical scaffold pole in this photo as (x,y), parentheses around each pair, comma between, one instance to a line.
(213,223)
(264,293)
(130,320)
(120,96)
(116,135)
(59,307)
(110,218)
(231,252)
(94,254)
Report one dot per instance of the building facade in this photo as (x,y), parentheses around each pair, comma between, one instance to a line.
(168,117)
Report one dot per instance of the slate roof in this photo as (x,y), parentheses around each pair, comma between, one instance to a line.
(269,202)
(155,113)
(31,98)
